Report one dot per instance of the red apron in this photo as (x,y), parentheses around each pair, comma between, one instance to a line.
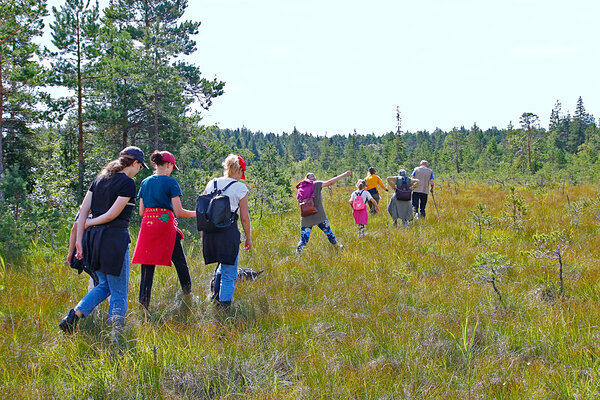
(156,240)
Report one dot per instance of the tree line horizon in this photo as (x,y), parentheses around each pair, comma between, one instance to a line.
(127,84)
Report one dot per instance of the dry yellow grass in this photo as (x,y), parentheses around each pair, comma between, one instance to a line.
(375,320)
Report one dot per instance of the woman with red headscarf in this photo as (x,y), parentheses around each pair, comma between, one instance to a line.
(223,247)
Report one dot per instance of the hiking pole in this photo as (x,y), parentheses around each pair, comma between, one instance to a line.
(435,204)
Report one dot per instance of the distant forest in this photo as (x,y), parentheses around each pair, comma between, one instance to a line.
(567,149)
(123,81)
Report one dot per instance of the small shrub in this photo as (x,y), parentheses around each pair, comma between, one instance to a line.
(481,220)
(514,211)
(552,246)
(488,267)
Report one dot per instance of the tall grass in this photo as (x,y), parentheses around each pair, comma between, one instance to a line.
(374,320)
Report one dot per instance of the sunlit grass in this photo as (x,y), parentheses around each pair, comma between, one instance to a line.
(374,320)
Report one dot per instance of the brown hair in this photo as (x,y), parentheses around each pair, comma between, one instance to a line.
(157,158)
(115,166)
(361,184)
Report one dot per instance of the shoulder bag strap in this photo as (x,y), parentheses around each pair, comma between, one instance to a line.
(227,187)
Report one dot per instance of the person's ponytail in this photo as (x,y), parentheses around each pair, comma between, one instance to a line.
(157,158)
(115,166)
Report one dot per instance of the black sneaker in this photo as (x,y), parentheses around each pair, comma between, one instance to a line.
(224,305)
(69,323)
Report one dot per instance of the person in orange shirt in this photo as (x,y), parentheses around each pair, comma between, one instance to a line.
(372,182)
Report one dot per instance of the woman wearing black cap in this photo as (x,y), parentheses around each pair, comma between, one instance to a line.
(104,246)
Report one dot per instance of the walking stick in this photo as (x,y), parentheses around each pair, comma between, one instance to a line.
(435,204)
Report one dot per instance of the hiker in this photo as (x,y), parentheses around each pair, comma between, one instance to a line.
(319,218)
(419,197)
(104,246)
(159,240)
(79,264)
(358,202)
(223,246)
(372,182)
(401,209)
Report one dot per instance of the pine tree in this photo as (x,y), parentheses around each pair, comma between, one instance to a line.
(168,86)
(529,136)
(74,31)
(117,105)
(555,116)
(454,146)
(270,184)
(578,126)
(20,22)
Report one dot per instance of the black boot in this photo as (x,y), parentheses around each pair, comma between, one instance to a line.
(69,323)
(224,305)
(215,287)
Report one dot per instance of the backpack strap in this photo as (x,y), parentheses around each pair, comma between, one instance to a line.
(227,187)
(397,184)
(224,189)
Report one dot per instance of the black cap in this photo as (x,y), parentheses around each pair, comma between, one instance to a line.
(134,152)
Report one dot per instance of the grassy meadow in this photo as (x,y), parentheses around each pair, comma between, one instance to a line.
(398,314)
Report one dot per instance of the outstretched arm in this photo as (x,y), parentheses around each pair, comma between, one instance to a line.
(181,212)
(413,183)
(337,178)
(375,204)
(380,183)
(391,181)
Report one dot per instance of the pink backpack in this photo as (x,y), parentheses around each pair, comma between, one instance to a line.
(306,189)
(358,203)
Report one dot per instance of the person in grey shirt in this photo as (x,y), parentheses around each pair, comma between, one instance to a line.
(319,218)
(419,196)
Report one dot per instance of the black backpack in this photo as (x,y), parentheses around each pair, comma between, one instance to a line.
(213,210)
(403,192)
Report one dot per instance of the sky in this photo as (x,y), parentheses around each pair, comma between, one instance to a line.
(335,66)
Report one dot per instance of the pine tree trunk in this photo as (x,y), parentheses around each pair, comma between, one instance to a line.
(80,118)
(560,273)
(1,124)
(125,134)
(155,119)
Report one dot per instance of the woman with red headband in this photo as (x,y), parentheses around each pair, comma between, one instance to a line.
(159,240)
(223,247)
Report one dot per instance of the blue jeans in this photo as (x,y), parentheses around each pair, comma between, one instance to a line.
(229,274)
(305,234)
(116,287)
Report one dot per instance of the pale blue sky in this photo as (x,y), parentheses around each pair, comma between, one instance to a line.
(334,66)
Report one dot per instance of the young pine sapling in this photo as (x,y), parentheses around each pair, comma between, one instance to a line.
(481,220)
(552,246)
(488,267)
(576,209)
(515,210)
